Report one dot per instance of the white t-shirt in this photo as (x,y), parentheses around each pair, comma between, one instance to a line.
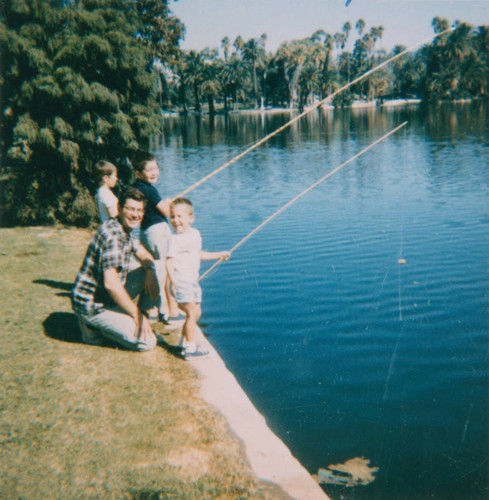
(185,248)
(105,199)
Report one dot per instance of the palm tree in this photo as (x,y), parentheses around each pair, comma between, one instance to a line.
(481,42)
(238,43)
(346,30)
(192,74)
(459,43)
(397,67)
(307,83)
(254,52)
(210,85)
(234,79)
(225,47)
(360,26)
(440,24)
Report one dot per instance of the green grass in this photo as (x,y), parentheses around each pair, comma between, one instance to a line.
(81,421)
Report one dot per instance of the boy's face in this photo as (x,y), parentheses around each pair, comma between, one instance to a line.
(111,180)
(131,214)
(181,217)
(150,173)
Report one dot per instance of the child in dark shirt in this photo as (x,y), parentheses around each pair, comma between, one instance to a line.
(155,232)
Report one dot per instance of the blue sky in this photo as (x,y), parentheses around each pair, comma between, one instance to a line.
(404,21)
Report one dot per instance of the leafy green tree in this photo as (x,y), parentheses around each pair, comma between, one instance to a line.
(76,87)
(160,29)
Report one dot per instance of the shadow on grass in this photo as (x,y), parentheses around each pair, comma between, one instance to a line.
(62,326)
(174,350)
(60,285)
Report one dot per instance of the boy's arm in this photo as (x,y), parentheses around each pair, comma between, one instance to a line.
(215,255)
(164,208)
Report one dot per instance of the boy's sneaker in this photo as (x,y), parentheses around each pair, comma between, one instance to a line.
(197,354)
(90,335)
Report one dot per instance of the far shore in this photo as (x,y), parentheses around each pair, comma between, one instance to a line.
(268,110)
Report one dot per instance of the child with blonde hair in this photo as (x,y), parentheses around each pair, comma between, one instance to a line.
(183,265)
(106,177)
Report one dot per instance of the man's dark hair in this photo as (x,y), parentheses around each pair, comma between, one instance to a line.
(140,159)
(131,193)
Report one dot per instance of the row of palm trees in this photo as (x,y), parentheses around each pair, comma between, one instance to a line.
(243,74)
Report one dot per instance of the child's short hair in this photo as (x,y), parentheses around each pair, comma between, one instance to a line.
(183,201)
(103,168)
(140,159)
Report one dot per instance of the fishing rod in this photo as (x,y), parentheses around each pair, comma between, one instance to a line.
(300,195)
(307,111)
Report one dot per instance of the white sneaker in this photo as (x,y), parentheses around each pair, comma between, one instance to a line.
(90,335)
(196,354)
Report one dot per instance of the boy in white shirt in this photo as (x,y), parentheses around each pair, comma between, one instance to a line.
(106,175)
(183,265)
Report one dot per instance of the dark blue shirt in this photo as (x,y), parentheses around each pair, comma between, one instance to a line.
(151,214)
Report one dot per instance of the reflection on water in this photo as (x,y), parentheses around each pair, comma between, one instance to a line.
(346,352)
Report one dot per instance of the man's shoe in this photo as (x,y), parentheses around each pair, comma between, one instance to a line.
(163,319)
(90,335)
(152,318)
(176,319)
(197,354)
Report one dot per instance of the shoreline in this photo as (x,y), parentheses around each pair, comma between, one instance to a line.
(326,106)
(355,105)
(270,459)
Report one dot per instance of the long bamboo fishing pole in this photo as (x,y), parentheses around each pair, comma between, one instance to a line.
(307,111)
(300,195)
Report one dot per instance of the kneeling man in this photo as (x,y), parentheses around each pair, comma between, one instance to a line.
(105,290)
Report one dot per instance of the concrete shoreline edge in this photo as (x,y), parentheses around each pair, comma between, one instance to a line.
(269,457)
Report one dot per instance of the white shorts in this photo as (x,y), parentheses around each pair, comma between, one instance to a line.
(186,292)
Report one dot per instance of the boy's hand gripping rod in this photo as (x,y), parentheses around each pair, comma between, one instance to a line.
(300,195)
(307,111)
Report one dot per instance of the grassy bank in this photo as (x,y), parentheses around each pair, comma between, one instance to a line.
(80,421)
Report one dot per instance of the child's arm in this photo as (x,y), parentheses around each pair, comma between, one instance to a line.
(113,211)
(164,208)
(215,255)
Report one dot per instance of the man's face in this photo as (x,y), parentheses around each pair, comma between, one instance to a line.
(132,214)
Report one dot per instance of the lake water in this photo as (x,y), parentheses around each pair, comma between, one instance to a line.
(346,351)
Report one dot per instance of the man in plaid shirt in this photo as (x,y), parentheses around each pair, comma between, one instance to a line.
(105,290)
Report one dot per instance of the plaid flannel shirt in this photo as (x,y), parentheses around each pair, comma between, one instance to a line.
(110,248)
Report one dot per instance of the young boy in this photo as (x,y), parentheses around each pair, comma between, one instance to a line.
(155,233)
(183,264)
(106,175)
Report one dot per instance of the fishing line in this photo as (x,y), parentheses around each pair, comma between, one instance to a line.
(300,195)
(307,111)
(400,263)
